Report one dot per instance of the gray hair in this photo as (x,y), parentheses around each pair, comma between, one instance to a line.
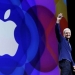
(66,29)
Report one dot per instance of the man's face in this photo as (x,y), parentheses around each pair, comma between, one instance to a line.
(67,34)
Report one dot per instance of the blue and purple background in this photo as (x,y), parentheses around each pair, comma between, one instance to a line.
(37,53)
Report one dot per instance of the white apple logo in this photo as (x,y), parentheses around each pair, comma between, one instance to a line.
(8,44)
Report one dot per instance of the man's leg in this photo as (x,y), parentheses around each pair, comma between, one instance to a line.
(65,67)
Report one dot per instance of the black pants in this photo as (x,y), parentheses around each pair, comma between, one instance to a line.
(65,66)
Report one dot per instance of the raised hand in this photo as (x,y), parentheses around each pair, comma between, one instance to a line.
(59,17)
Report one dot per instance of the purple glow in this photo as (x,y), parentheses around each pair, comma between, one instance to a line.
(49,4)
(53,72)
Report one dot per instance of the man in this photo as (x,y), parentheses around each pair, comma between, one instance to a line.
(64,48)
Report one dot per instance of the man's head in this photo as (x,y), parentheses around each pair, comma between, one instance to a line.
(67,33)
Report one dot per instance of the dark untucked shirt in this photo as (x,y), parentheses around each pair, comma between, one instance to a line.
(64,47)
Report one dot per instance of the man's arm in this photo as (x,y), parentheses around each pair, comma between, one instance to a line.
(58,32)
(57,28)
(73,65)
